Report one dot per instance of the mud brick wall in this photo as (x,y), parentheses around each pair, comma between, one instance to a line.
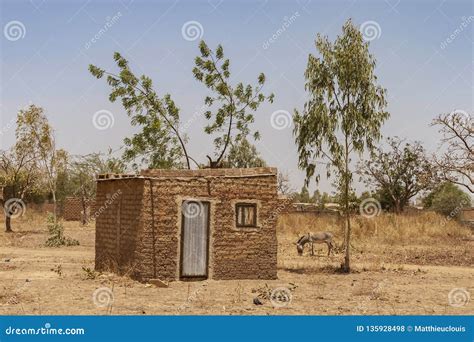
(118,226)
(467,215)
(150,208)
(234,253)
(72,208)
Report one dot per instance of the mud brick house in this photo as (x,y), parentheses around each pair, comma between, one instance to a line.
(188,224)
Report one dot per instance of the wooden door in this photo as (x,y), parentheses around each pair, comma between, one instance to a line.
(194,239)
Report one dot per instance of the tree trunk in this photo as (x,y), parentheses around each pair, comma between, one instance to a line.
(84,211)
(347,236)
(397,207)
(54,206)
(8,225)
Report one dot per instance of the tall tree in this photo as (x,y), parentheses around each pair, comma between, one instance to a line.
(402,172)
(160,143)
(35,133)
(231,107)
(456,165)
(344,113)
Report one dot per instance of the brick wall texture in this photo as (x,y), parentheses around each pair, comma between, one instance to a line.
(72,208)
(138,222)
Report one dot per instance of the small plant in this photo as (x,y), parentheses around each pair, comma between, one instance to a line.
(58,269)
(56,232)
(90,273)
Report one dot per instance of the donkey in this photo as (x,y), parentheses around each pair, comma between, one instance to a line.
(319,237)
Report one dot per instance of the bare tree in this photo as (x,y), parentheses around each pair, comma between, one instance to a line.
(283,184)
(456,164)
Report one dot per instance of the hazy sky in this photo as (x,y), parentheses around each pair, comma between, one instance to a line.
(424,51)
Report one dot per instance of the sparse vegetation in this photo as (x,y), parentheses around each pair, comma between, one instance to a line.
(56,234)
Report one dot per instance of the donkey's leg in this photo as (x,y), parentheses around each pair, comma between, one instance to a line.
(329,247)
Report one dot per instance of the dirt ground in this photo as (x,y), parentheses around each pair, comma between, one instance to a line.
(389,278)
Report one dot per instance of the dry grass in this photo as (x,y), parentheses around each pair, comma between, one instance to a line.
(400,265)
(386,228)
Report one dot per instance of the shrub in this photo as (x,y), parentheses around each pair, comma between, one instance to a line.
(56,232)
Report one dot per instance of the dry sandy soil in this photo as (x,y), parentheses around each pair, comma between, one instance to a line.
(392,274)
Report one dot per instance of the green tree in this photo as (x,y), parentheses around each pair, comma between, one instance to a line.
(447,199)
(231,107)
(344,113)
(398,174)
(303,196)
(244,155)
(316,197)
(161,142)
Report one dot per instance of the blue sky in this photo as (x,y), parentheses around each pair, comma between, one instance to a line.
(423,73)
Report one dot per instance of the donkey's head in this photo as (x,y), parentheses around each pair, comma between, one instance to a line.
(299,248)
(300,244)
